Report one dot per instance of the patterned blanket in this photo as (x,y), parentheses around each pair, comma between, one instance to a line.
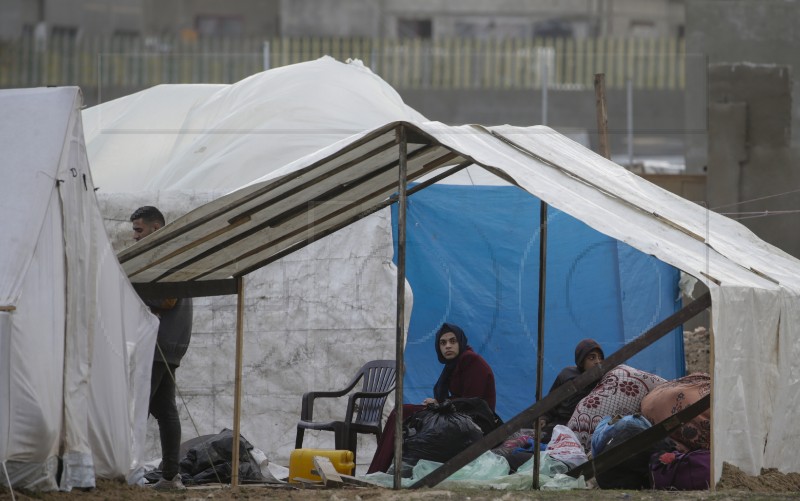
(620,391)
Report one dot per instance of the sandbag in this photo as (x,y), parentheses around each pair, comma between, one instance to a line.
(438,433)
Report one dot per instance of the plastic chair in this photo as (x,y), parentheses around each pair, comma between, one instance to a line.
(363,417)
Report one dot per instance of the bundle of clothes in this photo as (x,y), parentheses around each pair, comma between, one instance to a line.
(624,403)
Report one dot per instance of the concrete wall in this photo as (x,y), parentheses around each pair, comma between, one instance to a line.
(752,166)
(732,31)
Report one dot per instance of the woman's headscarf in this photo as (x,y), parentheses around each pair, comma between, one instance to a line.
(441,391)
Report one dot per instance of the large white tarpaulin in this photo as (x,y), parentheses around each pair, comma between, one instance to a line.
(76,342)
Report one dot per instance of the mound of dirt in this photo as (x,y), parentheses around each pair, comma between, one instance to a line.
(770,480)
(697,350)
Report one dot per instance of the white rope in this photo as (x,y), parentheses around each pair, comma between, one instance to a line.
(8,480)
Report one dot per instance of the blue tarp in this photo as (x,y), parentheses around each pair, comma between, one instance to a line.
(472,258)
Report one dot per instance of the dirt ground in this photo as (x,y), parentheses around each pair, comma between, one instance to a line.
(734,484)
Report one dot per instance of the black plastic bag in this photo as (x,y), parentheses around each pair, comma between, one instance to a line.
(208,460)
(438,433)
(480,412)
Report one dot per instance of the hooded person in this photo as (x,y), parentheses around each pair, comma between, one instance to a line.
(465,374)
(588,354)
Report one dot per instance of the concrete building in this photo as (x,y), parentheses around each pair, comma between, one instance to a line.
(743,112)
(368,18)
(189,18)
(482,19)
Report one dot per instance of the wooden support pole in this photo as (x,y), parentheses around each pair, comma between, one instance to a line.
(602,116)
(237,385)
(401,294)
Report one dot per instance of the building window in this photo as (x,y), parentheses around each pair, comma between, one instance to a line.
(642,29)
(414,28)
(216,26)
(128,35)
(70,32)
(553,28)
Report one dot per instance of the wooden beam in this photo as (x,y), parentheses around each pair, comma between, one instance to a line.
(602,115)
(402,186)
(195,288)
(237,382)
(530,415)
(160,238)
(299,209)
(326,471)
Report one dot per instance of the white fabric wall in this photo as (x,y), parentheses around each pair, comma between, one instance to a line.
(70,386)
(311,319)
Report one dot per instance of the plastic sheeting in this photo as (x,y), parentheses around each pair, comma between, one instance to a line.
(218,137)
(75,379)
(313,318)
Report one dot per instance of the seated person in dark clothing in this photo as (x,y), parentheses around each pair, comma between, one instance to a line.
(465,374)
(588,354)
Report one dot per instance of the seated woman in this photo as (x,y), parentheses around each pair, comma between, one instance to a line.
(588,354)
(465,374)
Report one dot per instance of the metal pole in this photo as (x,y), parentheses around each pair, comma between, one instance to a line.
(602,118)
(629,87)
(540,330)
(237,385)
(401,291)
(266,55)
(543,54)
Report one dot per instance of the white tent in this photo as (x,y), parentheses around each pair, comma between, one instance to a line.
(754,286)
(76,342)
(154,139)
(180,146)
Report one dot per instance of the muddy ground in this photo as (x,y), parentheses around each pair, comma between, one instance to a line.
(734,484)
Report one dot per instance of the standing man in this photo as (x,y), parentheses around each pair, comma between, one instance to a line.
(174,333)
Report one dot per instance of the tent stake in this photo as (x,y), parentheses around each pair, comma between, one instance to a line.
(401,296)
(237,385)
(540,340)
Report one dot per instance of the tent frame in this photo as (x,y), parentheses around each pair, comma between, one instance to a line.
(404,132)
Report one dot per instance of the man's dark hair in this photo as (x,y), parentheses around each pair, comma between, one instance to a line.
(148,214)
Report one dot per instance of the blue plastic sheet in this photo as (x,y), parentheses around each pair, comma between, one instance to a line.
(473,260)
